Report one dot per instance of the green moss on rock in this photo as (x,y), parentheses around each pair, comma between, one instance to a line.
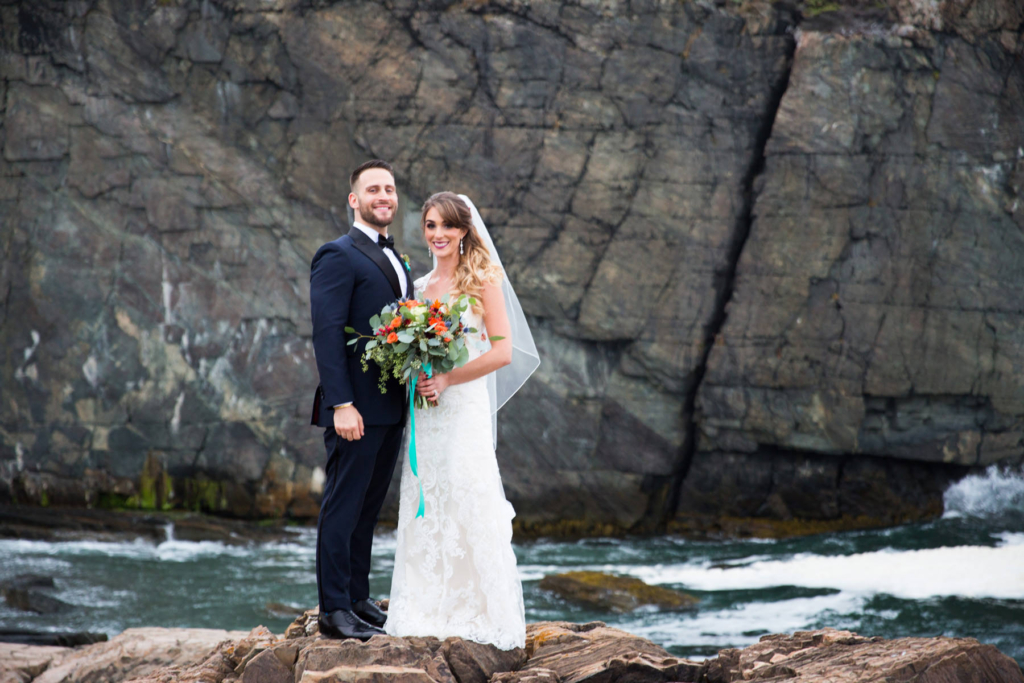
(615,593)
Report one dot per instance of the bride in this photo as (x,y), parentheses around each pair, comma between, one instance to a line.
(455,572)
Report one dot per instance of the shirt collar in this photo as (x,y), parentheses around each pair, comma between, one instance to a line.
(368,231)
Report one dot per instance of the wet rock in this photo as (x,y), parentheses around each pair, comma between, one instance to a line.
(30,600)
(778,494)
(109,525)
(50,638)
(615,593)
(279,609)
(29,593)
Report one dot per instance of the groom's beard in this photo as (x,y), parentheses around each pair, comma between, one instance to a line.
(367,215)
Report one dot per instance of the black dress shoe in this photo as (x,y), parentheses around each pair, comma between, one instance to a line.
(368,611)
(343,623)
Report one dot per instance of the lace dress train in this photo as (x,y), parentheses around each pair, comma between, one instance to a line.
(455,571)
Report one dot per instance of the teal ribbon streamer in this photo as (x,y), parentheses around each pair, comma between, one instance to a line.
(412,427)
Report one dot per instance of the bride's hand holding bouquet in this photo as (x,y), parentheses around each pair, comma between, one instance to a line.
(415,336)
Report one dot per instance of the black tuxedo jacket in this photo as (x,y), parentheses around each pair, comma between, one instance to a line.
(350,281)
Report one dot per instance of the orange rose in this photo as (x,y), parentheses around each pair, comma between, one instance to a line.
(447,340)
(396,323)
(392,338)
(441,327)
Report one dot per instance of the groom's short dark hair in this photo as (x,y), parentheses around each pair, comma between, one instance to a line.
(366,166)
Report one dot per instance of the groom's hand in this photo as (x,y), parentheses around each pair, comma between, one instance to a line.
(348,423)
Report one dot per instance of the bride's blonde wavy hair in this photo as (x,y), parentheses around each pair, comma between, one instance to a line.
(475,268)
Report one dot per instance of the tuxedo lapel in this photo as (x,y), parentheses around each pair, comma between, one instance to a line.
(364,244)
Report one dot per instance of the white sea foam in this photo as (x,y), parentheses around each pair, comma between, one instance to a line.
(536,572)
(993,492)
(968,571)
(741,625)
(168,551)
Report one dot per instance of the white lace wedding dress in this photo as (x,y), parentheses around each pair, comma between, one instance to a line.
(455,572)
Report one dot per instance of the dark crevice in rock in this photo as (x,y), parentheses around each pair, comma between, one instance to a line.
(724,280)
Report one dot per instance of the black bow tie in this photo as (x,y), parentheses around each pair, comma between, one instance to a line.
(388,242)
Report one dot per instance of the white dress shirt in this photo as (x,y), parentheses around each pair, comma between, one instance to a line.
(392,256)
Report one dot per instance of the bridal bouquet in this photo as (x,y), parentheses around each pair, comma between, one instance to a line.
(413,335)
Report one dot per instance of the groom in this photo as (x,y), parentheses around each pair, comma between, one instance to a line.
(351,280)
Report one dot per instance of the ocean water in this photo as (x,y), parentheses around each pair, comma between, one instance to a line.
(961,575)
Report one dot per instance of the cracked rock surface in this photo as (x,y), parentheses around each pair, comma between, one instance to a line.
(556,652)
(876,307)
(771,262)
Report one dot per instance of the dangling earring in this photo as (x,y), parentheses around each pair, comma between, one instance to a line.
(460,248)
(430,254)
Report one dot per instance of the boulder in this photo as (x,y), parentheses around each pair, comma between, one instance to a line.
(27,592)
(50,638)
(615,593)
(20,521)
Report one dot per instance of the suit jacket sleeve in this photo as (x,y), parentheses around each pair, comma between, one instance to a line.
(331,282)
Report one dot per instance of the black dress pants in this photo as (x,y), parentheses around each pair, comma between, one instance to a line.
(358,475)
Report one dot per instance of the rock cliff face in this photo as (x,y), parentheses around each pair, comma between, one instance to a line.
(771,253)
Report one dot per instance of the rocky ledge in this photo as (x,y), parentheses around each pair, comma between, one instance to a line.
(555,652)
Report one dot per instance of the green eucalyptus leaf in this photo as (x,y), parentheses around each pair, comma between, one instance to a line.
(350,330)
(351,342)
(495,338)
(405,337)
(463,358)
(371,344)
(401,348)
(374,323)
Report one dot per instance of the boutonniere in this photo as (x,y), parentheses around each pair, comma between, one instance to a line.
(405,260)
